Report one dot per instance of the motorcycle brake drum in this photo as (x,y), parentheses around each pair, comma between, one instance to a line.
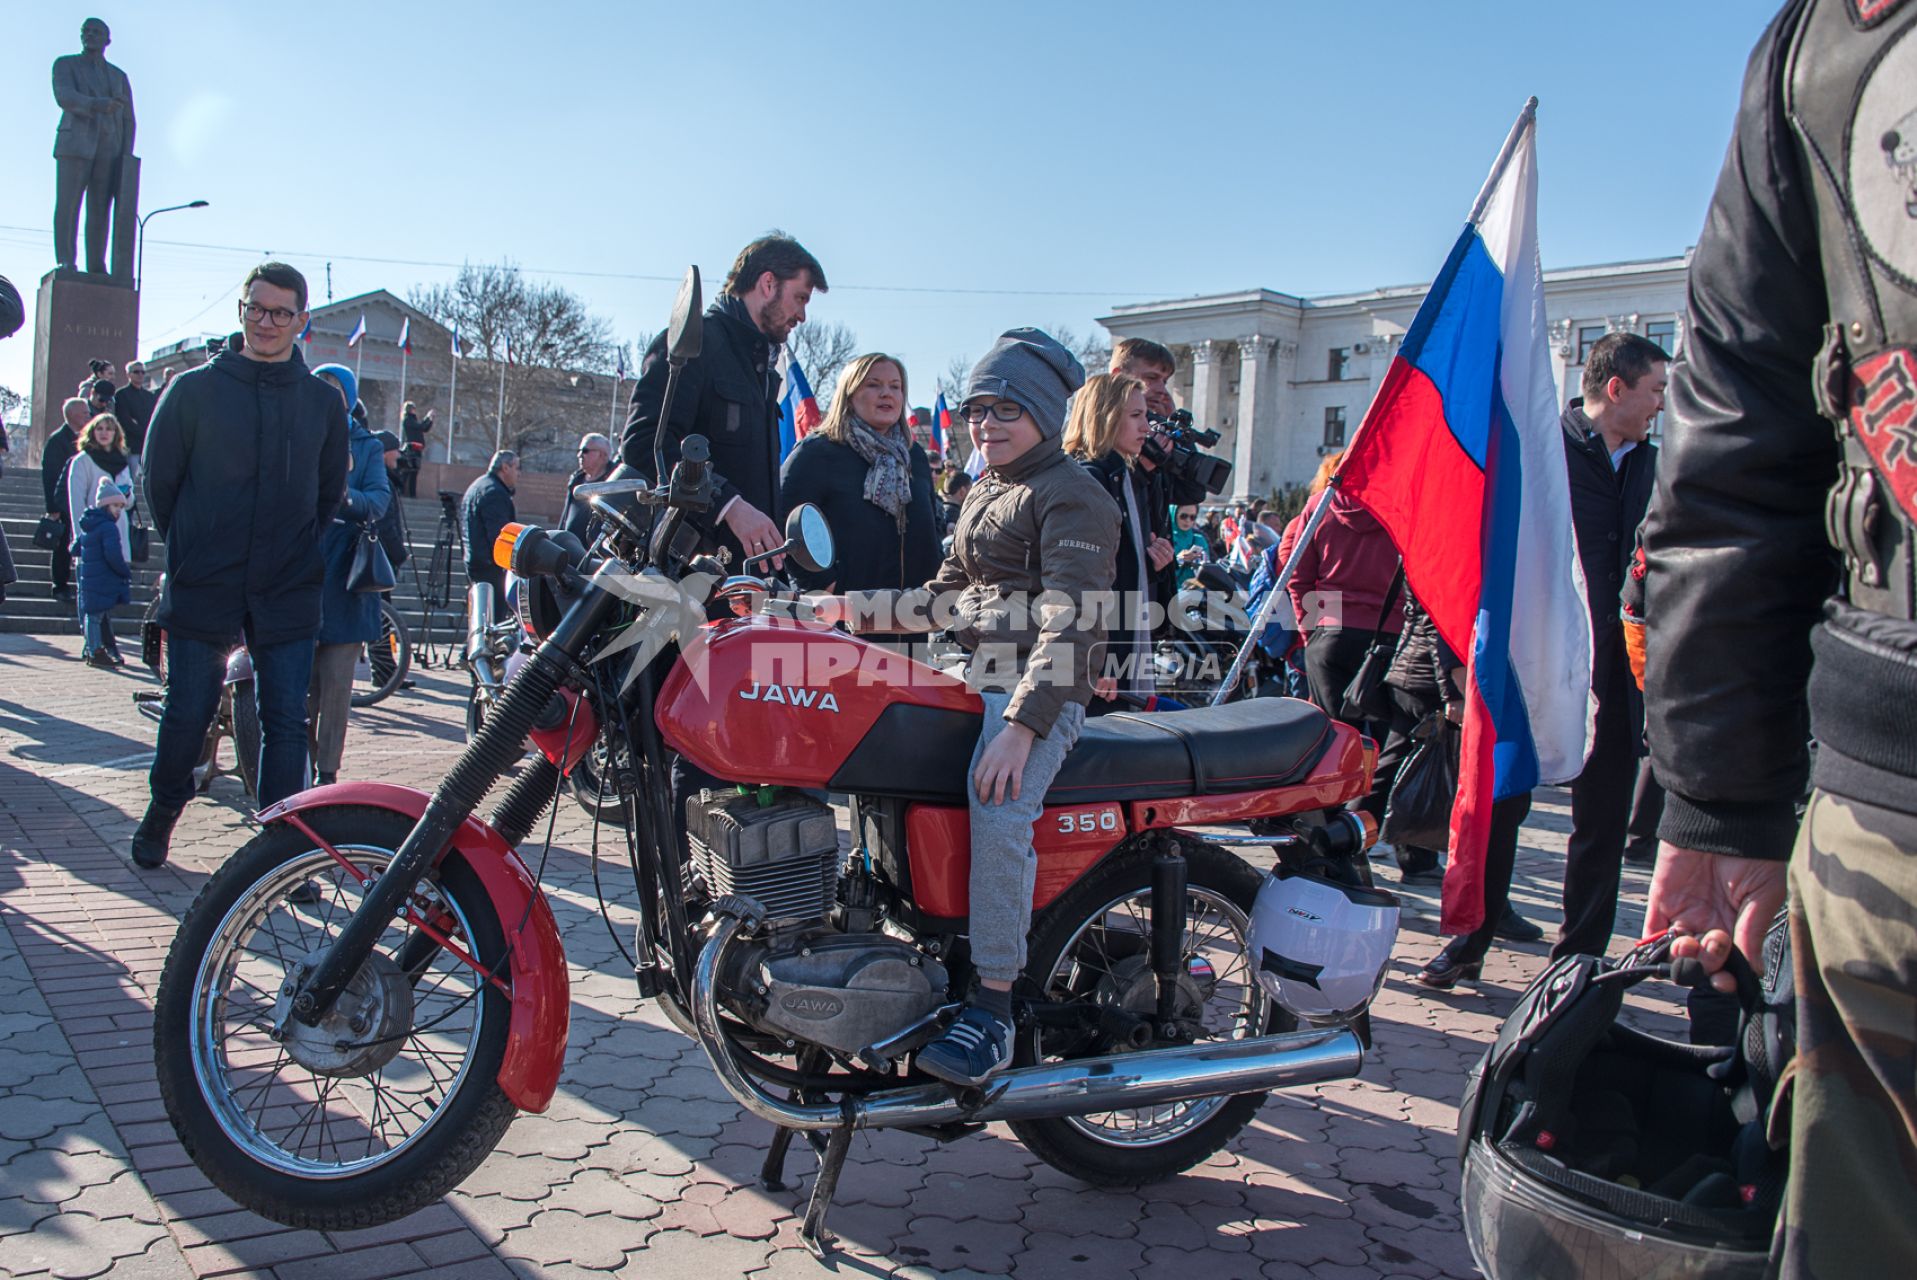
(367,1025)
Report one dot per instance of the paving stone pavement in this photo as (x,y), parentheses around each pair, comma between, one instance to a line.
(643,1163)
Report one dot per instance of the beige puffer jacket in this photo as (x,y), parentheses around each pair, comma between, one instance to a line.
(1035,548)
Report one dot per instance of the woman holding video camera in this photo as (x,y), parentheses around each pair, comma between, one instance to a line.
(1106,434)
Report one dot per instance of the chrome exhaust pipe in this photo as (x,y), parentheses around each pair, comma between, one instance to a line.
(1154,1077)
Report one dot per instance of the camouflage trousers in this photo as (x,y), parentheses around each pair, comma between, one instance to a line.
(1850,1208)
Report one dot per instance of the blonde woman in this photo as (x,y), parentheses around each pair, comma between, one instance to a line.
(1106,433)
(102,456)
(862,469)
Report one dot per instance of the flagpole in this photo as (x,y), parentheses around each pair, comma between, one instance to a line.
(359,354)
(499,424)
(403,353)
(452,401)
(612,418)
(1526,118)
(1278,588)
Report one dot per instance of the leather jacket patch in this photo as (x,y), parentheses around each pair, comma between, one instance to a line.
(1882,160)
(1884,412)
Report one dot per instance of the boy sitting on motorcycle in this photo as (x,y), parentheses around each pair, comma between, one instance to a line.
(1035,545)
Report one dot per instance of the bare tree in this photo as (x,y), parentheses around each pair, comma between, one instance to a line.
(952,381)
(1092,351)
(9,401)
(540,330)
(822,350)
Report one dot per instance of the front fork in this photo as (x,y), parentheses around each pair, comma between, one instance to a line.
(490,754)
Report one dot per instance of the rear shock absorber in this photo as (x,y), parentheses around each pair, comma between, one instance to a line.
(1169,875)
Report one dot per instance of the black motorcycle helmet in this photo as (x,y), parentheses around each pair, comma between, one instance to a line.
(1593,1149)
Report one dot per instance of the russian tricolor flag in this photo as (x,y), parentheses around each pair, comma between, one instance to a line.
(1460,459)
(798,410)
(359,331)
(941,426)
(405,342)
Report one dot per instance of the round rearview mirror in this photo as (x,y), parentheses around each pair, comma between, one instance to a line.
(809,537)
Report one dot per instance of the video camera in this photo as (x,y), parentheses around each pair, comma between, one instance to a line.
(1175,448)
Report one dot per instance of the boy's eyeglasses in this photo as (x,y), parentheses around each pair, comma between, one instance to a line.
(1003,410)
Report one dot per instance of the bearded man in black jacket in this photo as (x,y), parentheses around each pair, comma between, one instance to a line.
(245,464)
(730,394)
(1613,468)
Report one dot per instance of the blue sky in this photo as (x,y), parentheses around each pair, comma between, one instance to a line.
(958,168)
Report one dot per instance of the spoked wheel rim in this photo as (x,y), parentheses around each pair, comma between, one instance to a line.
(348,1096)
(1107,959)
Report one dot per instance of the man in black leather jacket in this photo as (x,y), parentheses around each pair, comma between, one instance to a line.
(1794,406)
(730,393)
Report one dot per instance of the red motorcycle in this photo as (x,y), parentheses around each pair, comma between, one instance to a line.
(339,1064)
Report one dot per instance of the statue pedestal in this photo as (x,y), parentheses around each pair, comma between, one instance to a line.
(78,317)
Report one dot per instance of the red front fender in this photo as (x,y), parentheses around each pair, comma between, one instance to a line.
(541,996)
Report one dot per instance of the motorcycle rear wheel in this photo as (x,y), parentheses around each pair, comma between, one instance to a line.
(1094,944)
(339,1127)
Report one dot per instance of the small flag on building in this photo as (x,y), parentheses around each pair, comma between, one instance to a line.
(798,410)
(455,342)
(306,334)
(619,364)
(359,331)
(405,342)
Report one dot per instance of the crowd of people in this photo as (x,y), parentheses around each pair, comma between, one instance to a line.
(1707,596)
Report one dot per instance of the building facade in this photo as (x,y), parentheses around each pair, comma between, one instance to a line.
(1285,380)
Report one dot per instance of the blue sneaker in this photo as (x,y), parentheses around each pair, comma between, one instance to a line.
(973,1049)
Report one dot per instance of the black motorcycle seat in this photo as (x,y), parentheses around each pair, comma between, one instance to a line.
(923,753)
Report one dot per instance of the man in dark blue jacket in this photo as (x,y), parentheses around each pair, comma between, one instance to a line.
(486,509)
(245,465)
(1613,467)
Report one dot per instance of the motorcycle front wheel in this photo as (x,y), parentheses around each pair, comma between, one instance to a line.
(1093,946)
(393,1098)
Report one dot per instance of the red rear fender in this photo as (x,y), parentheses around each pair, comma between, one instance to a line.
(541,996)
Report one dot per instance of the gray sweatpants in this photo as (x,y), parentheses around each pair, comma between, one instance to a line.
(1003,861)
(329,701)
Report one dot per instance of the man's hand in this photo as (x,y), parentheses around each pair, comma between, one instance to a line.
(755,531)
(1159,552)
(1106,687)
(1003,764)
(1719,897)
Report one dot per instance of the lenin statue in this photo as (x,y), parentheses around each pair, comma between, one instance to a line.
(94,140)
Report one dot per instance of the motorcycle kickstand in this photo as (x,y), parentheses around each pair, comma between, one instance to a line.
(772,1173)
(813,1233)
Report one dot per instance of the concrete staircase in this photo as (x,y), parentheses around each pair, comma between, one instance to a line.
(31,608)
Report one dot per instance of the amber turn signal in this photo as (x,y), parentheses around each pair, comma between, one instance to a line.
(503,545)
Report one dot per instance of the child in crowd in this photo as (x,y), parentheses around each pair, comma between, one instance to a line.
(106,579)
(1036,522)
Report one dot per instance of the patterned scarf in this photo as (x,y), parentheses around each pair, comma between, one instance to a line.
(888,457)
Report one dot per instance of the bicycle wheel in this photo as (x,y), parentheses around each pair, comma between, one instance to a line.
(384,662)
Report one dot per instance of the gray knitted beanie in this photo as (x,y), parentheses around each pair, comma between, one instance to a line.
(1030,367)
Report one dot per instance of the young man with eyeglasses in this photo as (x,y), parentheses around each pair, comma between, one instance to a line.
(245,463)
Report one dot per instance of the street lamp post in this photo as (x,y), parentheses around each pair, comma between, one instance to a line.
(139,265)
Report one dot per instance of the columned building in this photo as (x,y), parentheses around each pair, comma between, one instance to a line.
(1286,380)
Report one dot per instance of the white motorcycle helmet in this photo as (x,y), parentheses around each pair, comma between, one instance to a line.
(1321,946)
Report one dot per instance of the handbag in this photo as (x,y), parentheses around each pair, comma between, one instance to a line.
(1418,812)
(139,539)
(372,571)
(1364,698)
(49,533)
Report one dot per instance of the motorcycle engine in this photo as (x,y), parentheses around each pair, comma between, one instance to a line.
(843,991)
(805,981)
